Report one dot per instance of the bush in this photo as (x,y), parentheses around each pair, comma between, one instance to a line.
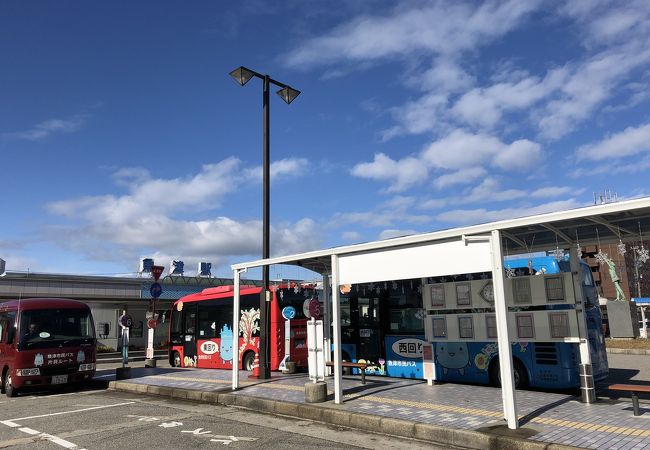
(105,349)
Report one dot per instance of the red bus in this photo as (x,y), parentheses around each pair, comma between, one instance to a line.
(45,342)
(200,330)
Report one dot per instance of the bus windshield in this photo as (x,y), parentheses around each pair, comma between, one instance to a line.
(39,328)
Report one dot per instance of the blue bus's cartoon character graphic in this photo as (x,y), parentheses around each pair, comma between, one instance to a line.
(452,355)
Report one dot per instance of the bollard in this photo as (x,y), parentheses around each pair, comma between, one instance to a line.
(315,392)
(290,367)
(587,388)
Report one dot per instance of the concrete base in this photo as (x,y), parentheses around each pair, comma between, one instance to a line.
(150,362)
(122,373)
(290,367)
(315,392)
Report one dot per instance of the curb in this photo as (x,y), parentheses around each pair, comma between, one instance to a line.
(332,415)
(629,351)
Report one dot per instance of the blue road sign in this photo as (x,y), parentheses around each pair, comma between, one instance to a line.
(155,290)
(289,312)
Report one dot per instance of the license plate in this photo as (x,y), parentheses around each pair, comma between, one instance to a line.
(59,379)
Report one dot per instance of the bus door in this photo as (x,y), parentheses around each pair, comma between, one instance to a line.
(189,335)
(369,344)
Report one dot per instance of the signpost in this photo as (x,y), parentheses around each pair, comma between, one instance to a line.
(288,312)
(125,322)
(155,290)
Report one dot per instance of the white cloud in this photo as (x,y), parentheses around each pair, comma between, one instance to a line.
(554,191)
(415,117)
(351,236)
(434,203)
(112,227)
(462,176)
(48,127)
(390,234)
(445,75)
(461,149)
(402,174)
(443,28)
(591,83)
(631,141)
(481,215)
(279,168)
(485,106)
(489,190)
(605,21)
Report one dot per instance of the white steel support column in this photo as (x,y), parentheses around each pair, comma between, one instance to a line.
(503,340)
(235,329)
(336,318)
(327,331)
(587,386)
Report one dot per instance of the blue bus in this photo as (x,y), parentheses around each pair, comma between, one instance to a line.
(383,324)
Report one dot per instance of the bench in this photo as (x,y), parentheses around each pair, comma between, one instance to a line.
(360,366)
(634,389)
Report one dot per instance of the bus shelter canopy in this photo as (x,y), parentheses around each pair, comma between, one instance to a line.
(592,225)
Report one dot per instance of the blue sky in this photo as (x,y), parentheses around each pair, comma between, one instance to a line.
(122,135)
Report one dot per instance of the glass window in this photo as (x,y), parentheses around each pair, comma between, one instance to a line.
(559,323)
(439,327)
(210,318)
(137,328)
(368,312)
(525,326)
(176,326)
(554,289)
(466,327)
(491,326)
(463,294)
(438,295)
(189,320)
(406,320)
(521,290)
(38,328)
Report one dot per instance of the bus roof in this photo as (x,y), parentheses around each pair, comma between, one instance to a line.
(42,303)
(219,292)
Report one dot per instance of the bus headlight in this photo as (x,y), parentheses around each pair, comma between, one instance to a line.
(28,372)
(86,367)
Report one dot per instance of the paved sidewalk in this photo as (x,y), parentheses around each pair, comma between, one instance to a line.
(453,414)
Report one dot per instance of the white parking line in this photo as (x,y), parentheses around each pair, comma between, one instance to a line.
(50,437)
(7,422)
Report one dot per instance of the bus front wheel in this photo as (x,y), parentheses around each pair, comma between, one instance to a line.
(176,359)
(518,372)
(248,361)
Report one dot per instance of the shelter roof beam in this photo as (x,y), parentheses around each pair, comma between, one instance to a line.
(558,232)
(617,230)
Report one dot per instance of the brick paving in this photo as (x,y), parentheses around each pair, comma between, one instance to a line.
(555,417)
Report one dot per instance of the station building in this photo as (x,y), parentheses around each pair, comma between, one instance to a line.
(110,297)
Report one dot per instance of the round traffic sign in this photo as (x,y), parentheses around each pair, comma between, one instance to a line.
(155,290)
(126,321)
(311,308)
(288,312)
(151,323)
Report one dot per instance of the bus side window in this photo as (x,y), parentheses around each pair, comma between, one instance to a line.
(11,328)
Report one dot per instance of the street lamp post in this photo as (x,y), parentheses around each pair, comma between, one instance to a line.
(242,75)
